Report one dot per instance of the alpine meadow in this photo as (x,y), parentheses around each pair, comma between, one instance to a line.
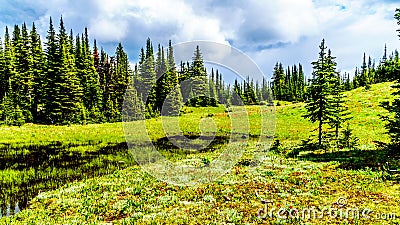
(93,136)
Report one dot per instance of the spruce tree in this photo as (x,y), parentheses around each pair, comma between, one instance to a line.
(173,102)
(22,82)
(70,91)
(339,109)
(213,89)
(2,65)
(162,85)
(319,106)
(62,88)
(236,97)
(51,102)
(301,83)
(199,84)
(37,66)
(266,92)
(278,83)
(393,125)
(147,85)
(92,94)
(8,64)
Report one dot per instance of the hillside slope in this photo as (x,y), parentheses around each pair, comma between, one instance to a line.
(364,106)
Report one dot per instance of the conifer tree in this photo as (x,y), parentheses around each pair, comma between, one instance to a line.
(70,91)
(51,102)
(22,81)
(278,81)
(92,94)
(339,109)
(63,92)
(199,85)
(147,84)
(173,102)
(319,106)
(2,65)
(8,63)
(236,97)
(162,85)
(37,68)
(393,125)
(266,92)
(212,89)
(11,113)
(301,84)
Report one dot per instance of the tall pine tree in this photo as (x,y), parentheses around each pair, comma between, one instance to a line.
(319,106)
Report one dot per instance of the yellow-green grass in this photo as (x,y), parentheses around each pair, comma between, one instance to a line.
(365,109)
(291,127)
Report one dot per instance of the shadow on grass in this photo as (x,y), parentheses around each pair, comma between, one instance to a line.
(375,160)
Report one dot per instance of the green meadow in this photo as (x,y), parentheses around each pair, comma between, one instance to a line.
(84,174)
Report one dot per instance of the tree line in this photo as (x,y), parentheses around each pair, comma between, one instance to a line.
(290,84)
(156,76)
(61,81)
(66,81)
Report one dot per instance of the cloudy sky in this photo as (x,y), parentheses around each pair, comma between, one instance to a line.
(268,31)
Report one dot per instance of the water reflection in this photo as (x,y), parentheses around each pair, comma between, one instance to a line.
(26,170)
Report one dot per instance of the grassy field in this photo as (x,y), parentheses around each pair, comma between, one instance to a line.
(124,194)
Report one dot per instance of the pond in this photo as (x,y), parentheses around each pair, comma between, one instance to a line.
(27,169)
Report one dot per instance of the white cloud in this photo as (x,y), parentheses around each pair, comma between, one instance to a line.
(270,31)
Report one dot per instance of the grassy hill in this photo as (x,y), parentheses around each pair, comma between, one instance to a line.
(315,183)
(364,106)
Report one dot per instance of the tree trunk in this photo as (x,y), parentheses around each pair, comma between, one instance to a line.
(320,132)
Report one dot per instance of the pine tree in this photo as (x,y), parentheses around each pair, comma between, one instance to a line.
(278,83)
(22,81)
(51,103)
(319,106)
(92,94)
(199,82)
(356,79)
(236,97)
(301,83)
(213,89)
(393,125)
(162,85)
(173,102)
(339,110)
(122,76)
(266,92)
(384,58)
(70,91)
(347,85)
(11,113)
(8,64)
(63,92)
(133,108)
(2,65)
(37,66)
(147,84)
(96,56)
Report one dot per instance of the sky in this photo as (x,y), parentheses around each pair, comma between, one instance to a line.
(288,31)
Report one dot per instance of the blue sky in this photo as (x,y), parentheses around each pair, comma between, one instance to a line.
(268,31)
